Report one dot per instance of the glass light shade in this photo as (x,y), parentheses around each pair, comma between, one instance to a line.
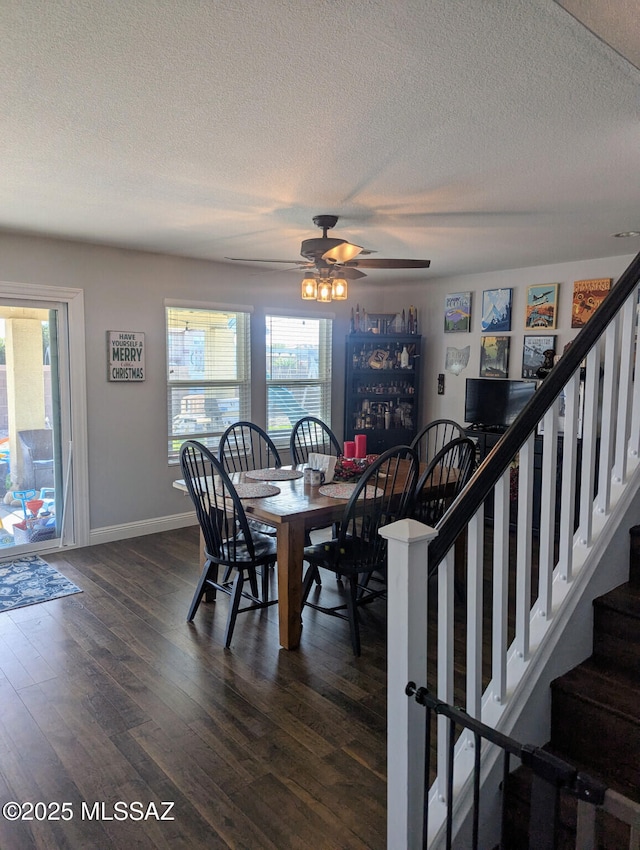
(339,289)
(324,291)
(342,253)
(309,289)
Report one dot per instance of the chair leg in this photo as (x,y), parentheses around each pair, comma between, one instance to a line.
(211,592)
(352,611)
(210,571)
(265,581)
(234,604)
(308,580)
(253,581)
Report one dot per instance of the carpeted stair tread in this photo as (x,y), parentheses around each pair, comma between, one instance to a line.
(595,721)
(616,632)
(625,599)
(614,690)
(634,555)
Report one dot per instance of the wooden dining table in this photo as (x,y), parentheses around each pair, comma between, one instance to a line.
(297,508)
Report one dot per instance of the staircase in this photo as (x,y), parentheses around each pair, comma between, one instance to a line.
(595,716)
(516,628)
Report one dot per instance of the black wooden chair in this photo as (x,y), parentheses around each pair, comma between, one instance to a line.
(443,480)
(381,496)
(434,436)
(310,434)
(229,542)
(245,446)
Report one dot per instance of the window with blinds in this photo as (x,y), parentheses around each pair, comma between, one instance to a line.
(298,373)
(208,374)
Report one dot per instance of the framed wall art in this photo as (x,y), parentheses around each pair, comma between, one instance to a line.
(534,352)
(588,295)
(125,356)
(542,301)
(494,357)
(457,359)
(457,312)
(496,310)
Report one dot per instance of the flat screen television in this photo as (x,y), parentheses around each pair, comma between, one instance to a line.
(495,402)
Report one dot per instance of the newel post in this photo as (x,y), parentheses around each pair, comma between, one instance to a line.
(407,584)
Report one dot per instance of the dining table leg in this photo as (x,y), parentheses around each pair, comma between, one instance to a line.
(290,542)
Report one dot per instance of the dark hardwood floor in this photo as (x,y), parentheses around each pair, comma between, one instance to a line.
(109,695)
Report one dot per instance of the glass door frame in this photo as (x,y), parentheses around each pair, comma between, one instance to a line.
(74,530)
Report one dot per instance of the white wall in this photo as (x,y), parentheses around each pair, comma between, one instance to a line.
(129,477)
(429,298)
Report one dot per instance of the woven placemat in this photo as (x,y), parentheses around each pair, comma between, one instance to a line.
(273,474)
(345,491)
(255,491)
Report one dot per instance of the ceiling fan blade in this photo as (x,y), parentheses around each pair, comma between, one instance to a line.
(380,263)
(256,260)
(349,273)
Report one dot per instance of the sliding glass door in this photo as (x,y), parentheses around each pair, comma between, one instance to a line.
(38,499)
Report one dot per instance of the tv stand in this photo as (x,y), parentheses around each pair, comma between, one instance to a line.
(487,429)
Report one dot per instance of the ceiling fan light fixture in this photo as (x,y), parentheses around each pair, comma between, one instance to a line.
(309,289)
(342,253)
(324,291)
(339,289)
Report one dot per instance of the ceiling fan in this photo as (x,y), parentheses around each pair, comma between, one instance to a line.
(330,262)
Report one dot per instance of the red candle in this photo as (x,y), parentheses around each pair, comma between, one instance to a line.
(349,448)
(361,445)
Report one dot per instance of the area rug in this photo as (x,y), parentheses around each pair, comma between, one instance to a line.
(29,580)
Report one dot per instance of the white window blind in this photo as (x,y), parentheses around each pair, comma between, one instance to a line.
(298,372)
(208,374)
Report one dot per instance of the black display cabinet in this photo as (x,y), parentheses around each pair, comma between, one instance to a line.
(382,391)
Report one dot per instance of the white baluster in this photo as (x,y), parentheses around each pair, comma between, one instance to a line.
(475,570)
(625,394)
(609,408)
(589,444)
(569,469)
(446,578)
(523,542)
(548,510)
(500,586)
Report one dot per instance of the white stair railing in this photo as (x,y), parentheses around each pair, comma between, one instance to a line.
(594,423)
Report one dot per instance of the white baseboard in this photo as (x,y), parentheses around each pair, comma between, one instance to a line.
(110,533)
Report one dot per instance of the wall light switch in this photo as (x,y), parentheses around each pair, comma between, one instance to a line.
(441,383)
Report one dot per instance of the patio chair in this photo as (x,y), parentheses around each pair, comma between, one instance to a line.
(36,446)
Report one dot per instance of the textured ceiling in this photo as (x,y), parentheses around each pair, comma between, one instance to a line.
(481,134)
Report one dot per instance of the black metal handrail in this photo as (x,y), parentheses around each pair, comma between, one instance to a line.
(551,775)
(493,466)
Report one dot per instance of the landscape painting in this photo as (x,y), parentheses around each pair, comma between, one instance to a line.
(457,312)
(496,310)
(541,306)
(494,357)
